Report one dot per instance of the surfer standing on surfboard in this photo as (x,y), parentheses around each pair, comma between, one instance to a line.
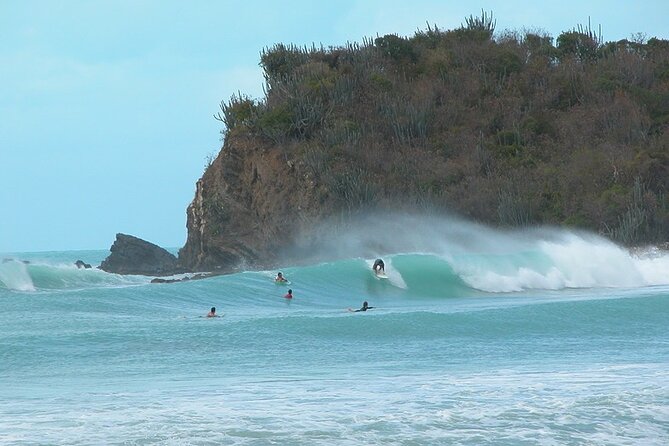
(379,267)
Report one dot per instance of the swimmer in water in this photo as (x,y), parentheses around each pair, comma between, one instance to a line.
(365,307)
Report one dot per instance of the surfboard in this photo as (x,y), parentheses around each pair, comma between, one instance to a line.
(380,276)
(282,282)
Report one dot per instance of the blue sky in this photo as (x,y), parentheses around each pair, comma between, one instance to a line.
(106,106)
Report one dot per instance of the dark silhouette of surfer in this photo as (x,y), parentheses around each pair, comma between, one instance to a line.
(379,267)
(365,307)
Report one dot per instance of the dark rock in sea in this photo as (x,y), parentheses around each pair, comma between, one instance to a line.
(81,264)
(184,279)
(159,280)
(132,255)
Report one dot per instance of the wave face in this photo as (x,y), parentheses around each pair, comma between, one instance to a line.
(570,263)
(444,255)
(440,258)
(40,272)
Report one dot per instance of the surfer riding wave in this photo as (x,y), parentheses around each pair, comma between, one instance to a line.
(379,267)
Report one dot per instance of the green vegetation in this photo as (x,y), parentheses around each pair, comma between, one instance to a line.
(506,128)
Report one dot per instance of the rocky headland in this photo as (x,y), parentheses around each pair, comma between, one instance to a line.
(509,129)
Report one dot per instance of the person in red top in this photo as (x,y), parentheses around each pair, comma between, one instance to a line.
(289,295)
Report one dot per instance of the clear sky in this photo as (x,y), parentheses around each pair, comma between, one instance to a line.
(106,106)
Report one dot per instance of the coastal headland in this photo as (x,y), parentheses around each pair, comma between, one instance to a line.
(510,129)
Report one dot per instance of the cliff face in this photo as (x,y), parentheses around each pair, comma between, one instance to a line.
(248,206)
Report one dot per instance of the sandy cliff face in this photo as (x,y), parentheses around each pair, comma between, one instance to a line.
(248,206)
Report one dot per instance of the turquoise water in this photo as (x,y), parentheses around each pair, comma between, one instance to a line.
(562,340)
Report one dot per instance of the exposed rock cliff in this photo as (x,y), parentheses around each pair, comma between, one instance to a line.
(248,206)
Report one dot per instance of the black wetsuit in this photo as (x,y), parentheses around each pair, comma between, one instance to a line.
(379,263)
(363,309)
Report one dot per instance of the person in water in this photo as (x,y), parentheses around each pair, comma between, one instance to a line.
(289,294)
(212,312)
(379,267)
(365,307)
(279,277)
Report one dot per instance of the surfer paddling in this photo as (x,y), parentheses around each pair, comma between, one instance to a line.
(365,307)
(279,278)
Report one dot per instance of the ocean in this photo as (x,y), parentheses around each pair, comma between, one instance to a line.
(537,338)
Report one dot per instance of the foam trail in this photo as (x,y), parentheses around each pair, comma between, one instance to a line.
(589,263)
(572,261)
(393,274)
(653,267)
(14,275)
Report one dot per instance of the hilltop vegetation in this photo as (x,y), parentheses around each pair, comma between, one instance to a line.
(511,128)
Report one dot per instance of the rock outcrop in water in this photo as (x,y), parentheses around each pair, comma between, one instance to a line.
(81,264)
(132,255)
